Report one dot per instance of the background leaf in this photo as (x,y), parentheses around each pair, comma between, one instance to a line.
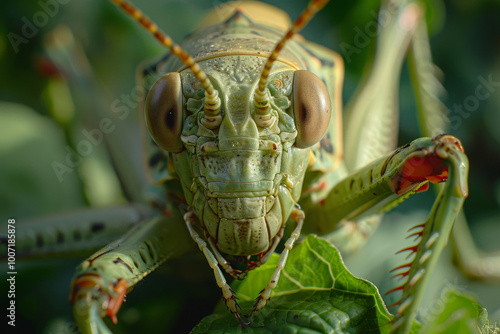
(460,314)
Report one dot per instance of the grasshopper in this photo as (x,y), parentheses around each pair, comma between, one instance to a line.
(250,137)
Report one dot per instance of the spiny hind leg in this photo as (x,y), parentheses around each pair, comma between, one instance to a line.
(227,293)
(388,181)
(433,121)
(299,216)
(432,235)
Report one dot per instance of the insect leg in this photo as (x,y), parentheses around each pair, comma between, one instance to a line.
(433,121)
(101,282)
(471,261)
(388,181)
(370,124)
(431,237)
(227,292)
(371,117)
(299,216)
(74,233)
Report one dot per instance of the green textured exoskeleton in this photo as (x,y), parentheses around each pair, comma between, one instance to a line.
(246,137)
(248,131)
(242,170)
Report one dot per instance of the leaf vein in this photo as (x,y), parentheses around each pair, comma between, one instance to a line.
(293,280)
(327,263)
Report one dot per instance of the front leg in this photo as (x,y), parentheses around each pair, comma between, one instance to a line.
(471,261)
(385,183)
(101,282)
(433,120)
(227,292)
(432,236)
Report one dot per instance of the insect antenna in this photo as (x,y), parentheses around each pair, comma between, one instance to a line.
(261,93)
(212,100)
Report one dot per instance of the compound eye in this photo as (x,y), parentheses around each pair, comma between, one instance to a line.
(164,112)
(311,108)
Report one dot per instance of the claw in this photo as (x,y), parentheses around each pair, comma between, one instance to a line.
(87,284)
(237,314)
(260,302)
(426,164)
(235,307)
(242,323)
(115,303)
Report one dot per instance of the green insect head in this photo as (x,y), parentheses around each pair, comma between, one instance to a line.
(247,161)
(238,128)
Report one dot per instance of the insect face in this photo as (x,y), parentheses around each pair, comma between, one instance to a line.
(244,177)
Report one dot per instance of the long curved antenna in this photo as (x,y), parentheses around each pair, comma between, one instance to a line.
(212,100)
(261,97)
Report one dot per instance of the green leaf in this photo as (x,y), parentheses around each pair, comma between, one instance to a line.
(315,294)
(306,311)
(461,315)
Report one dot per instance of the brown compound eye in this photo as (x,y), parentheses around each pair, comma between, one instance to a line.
(164,112)
(311,108)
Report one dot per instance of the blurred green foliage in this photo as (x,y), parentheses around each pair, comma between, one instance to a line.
(465,40)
